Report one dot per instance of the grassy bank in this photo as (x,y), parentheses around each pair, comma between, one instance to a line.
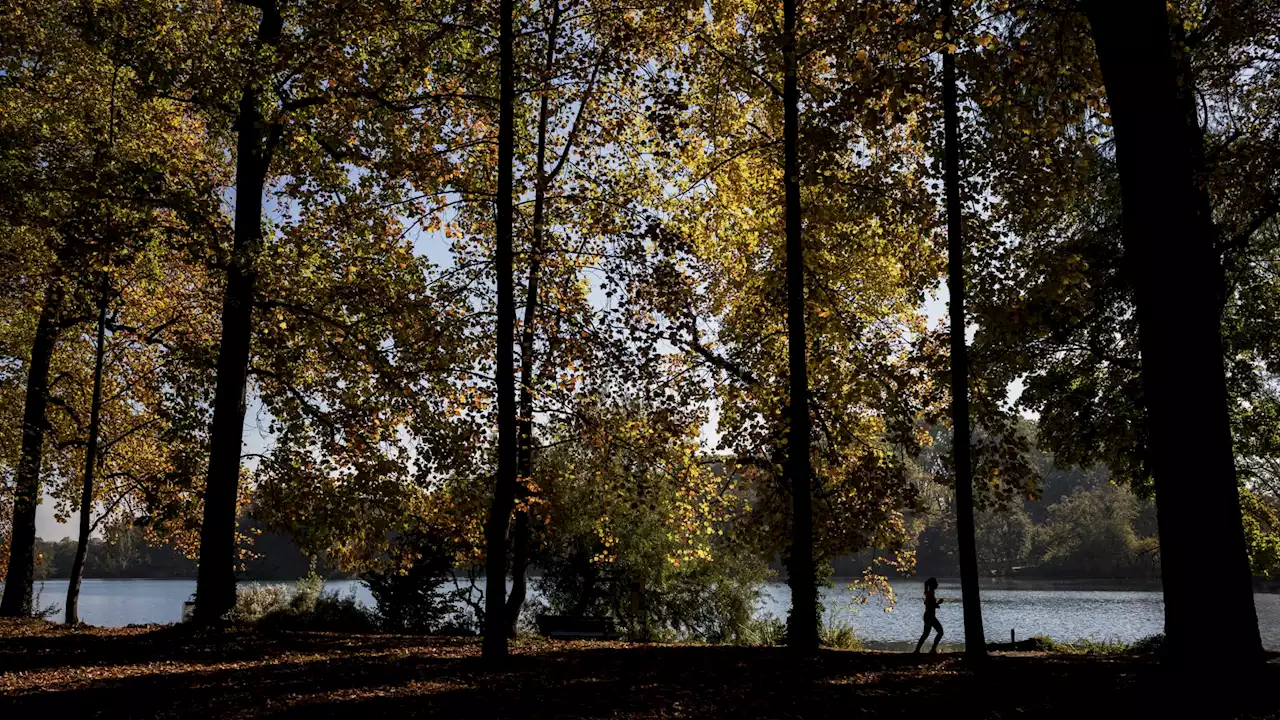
(48,671)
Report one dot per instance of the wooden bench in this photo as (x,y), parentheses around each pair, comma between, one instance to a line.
(565,627)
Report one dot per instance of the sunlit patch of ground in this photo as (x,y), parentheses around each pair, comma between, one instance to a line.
(49,671)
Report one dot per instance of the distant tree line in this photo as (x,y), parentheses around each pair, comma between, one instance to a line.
(1086,528)
(1081,525)
(132,554)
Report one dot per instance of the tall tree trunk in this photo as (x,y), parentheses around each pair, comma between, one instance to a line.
(974,641)
(1199,164)
(504,490)
(90,461)
(802,626)
(1175,273)
(22,539)
(216,580)
(524,458)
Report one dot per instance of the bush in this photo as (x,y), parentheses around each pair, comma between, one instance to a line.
(307,593)
(41,613)
(253,602)
(653,599)
(304,607)
(1149,645)
(840,635)
(713,600)
(768,630)
(615,537)
(327,612)
(414,598)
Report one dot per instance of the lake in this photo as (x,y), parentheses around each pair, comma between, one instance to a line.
(1062,611)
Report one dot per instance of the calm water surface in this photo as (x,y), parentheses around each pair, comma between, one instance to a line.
(1062,611)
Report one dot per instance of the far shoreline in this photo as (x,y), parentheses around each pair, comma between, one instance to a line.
(1260,585)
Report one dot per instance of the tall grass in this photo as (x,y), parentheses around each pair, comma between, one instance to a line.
(767,630)
(840,634)
(1094,646)
(304,607)
(771,631)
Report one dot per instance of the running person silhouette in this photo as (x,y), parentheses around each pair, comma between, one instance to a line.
(931,603)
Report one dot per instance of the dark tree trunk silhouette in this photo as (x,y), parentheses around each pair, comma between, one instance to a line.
(216,581)
(1176,275)
(974,641)
(1199,164)
(90,461)
(22,539)
(524,458)
(802,626)
(504,490)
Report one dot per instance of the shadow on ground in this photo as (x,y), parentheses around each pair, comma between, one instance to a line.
(172,673)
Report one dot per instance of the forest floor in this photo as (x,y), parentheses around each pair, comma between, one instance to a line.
(49,671)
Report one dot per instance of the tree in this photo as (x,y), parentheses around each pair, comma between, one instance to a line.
(80,201)
(90,459)
(1177,299)
(574,183)
(524,410)
(119,437)
(331,147)
(256,141)
(713,270)
(1091,533)
(802,627)
(588,50)
(19,574)
(504,492)
(1004,539)
(1055,303)
(975,645)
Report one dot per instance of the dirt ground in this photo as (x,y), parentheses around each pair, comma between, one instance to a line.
(48,671)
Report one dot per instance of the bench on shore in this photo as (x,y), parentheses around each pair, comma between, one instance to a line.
(565,627)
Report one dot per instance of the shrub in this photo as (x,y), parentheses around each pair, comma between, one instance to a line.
(328,612)
(768,630)
(713,600)
(1094,646)
(1048,644)
(652,598)
(1149,645)
(253,602)
(307,592)
(42,613)
(839,634)
(414,598)
(304,607)
(613,538)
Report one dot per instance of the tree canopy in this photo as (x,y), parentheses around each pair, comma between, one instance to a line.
(631,290)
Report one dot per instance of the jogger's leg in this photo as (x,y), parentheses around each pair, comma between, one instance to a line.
(923,637)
